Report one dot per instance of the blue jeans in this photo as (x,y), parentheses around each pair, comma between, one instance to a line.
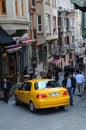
(70,90)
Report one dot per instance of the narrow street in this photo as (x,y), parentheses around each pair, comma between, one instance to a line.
(14,117)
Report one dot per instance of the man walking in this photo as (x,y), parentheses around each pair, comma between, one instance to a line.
(69,83)
(6,88)
(80,82)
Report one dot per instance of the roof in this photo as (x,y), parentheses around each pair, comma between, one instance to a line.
(5,38)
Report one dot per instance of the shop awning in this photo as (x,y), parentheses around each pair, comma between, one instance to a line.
(12,48)
(79,4)
(26,41)
(56,61)
(5,38)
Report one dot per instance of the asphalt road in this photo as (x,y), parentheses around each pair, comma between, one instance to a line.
(14,117)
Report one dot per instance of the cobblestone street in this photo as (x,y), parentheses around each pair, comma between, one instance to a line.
(14,117)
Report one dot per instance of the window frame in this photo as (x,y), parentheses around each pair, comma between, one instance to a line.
(25,85)
(33,1)
(16,7)
(39,25)
(22,7)
(84,20)
(47,22)
(54,23)
(2,12)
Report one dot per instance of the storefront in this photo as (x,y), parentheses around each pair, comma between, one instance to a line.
(56,62)
(8,50)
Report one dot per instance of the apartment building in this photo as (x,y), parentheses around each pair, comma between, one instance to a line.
(33,33)
(78,33)
(15,20)
(46,26)
(66,30)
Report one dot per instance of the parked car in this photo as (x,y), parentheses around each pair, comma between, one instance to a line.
(42,93)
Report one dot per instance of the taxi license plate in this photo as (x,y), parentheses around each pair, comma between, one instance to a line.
(54,94)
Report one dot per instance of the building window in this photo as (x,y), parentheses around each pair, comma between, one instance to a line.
(31,20)
(39,23)
(22,7)
(84,20)
(51,50)
(47,1)
(2,6)
(40,53)
(54,24)
(68,40)
(47,23)
(33,2)
(16,7)
(54,2)
(72,23)
(72,39)
(67,23)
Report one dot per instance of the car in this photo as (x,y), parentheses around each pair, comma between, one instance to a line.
(41,93)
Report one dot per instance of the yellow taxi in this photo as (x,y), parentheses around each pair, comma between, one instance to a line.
(42,93)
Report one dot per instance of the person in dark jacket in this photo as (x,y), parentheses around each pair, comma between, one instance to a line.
(56,75)
(69,83)
(6,85)
(49,74)
(25,71)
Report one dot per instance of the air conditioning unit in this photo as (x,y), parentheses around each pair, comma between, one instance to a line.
(60,9)
(66,47)
(72,10)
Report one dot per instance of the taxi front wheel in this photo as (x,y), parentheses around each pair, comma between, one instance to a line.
(17,100)
(32,107)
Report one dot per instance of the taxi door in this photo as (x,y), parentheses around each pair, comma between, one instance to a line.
(26,92)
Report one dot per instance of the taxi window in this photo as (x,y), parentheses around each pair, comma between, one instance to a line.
(45,84)
(26,86)
(53,84)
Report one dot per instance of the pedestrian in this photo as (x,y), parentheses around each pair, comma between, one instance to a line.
(35,72)
(80,83)
(69,83)
(25,70)
(49,74)
(74,76)
(6,85)
(56,75)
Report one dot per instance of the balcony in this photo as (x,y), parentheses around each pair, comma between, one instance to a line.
(33,34)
